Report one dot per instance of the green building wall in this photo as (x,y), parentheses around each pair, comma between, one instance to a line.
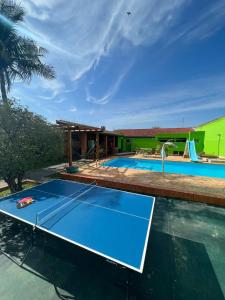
(121,144)
(127,144)
(199,137)
(209,139)
(130,144)
(214,142)
(145,142)
(180,146)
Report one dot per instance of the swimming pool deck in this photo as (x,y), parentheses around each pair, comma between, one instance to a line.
(195,188)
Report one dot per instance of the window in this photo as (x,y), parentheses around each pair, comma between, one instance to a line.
(181,140)
(164,140)
(172,140)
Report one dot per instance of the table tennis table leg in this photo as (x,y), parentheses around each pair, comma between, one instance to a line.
(128,284)
(125,284)
(30,247)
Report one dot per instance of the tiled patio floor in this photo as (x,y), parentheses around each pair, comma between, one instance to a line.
(185,260)
(213,187)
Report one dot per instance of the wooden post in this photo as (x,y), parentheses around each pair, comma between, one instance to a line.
(83,143)
(113,144)
(106,144)
(69,145)
(97,146)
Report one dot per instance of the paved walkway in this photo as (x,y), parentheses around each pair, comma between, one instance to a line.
(40,175)
(2,184)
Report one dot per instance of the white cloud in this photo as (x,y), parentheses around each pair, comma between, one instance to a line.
(79,34)
(56,86)
(73,109)
(111,91)
(195,96)
(91,29)
(209,20)
(82,34)
(92,112)
(39,9)
(60,100)
(39,89)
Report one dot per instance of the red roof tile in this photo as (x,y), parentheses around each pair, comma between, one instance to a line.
(151,132)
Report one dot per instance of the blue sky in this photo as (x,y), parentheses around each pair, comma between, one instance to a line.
(163,65)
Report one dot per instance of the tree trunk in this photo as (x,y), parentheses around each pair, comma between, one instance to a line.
(3,88)
(11,184)
(19,182)
(15,184)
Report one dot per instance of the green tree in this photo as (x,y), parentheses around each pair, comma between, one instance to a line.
(20,57)
(27,141)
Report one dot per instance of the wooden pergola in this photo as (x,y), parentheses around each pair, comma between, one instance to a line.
(83,130)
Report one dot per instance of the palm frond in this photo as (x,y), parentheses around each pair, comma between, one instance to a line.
(12,10)
(20,57)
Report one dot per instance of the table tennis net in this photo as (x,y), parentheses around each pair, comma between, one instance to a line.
(49,216)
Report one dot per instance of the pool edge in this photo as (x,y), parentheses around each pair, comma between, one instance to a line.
(148,190)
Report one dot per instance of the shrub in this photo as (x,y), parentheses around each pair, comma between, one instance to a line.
(27,141)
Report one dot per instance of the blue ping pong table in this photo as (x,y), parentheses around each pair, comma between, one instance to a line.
(111,223)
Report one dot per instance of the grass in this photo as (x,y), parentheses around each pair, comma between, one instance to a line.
(55,176)
(26,185)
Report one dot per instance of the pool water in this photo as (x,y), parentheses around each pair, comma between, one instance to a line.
(186,168)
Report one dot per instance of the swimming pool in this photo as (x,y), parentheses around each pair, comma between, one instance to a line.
(185,168)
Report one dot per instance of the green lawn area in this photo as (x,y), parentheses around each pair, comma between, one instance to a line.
(55,176)
(26,185)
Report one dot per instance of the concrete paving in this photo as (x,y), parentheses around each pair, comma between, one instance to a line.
(185,256)
(2,184)
(40,175)
(185,260)
(192,184)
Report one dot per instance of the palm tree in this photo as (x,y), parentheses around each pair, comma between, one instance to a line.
(20,57)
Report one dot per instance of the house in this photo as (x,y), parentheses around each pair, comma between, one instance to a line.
(85,141)
(133,139)
(94,142)
(214,139)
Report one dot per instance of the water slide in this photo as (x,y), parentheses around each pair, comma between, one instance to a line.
(192,151)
